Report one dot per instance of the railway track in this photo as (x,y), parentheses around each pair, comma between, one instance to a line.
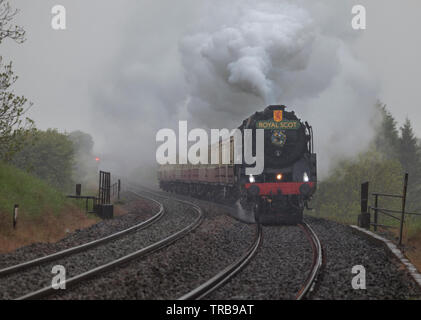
(200,292)
(316,263)
(71,282)
(234,268)
(86,246)
(230,271)
(226,274)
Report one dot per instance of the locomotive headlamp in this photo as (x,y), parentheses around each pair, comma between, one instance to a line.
(305,177)
(279,176)
(251,179)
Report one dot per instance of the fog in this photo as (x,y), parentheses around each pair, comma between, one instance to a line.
(125,69)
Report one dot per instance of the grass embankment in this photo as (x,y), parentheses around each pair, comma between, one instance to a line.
(411,229)
(338,197)
(45,214)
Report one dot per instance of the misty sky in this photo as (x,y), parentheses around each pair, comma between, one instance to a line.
(123,69)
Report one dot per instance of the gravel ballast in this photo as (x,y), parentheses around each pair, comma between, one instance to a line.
(277,271)
(138,210)
(15,285)
(344,247)
(173,271)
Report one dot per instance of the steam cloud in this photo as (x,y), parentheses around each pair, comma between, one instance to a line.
(224,60)
(282,52)
(255,52)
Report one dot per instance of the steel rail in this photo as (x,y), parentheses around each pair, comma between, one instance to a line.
(155,192)
(226,274)
(316,264)
(223,276)
(85,246)
(123,260)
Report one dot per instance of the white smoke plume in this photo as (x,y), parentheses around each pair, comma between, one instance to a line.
(214,63)
(255,51)
(246,55)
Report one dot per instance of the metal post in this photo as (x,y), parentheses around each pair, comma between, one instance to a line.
(364,217)
(118,189)
(108,187)
(104,188)
(364,197)
(405,187)
(99,187)
(78,189)
(376,205)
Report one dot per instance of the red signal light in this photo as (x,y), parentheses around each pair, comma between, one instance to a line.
(96,159)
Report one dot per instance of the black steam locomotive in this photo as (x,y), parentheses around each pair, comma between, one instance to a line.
(279,194)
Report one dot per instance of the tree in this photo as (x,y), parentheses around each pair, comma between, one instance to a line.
(408,149)
(387,138)
(85,166)
(396,151)
(49,155)
(7,30)
(13,125)
(82,141)
(410,159)
(338,196)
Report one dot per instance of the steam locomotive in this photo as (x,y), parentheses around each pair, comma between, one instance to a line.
(279,194)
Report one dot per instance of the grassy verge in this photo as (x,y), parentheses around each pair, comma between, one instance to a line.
(45,214)
(412,225)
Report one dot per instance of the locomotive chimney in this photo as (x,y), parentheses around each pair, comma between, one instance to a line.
(276,107)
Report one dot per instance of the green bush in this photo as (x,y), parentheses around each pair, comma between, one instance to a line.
(338,196)
(49,155)
(33,195)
